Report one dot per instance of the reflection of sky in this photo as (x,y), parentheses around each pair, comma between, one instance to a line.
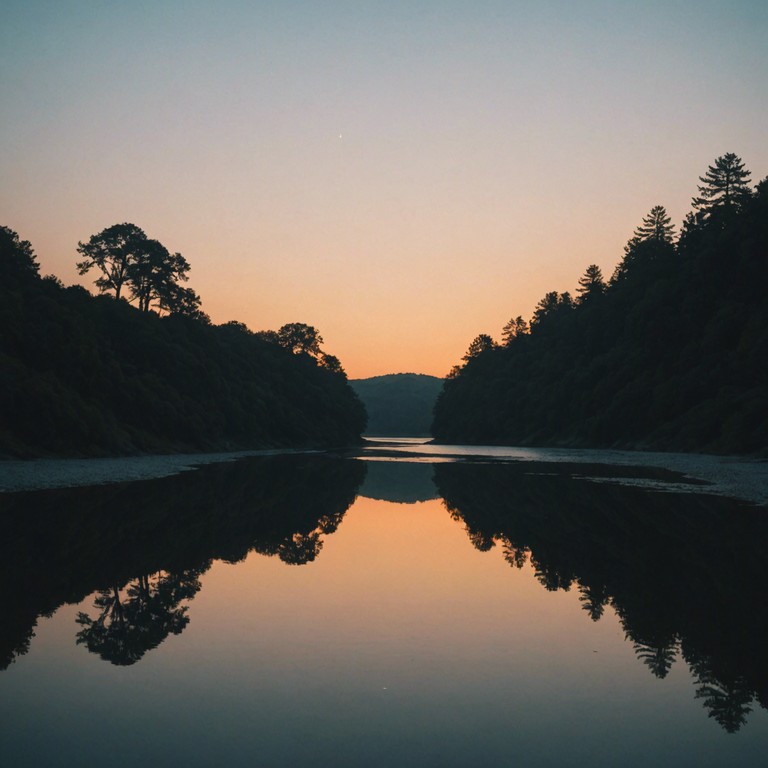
(723,475)
(400,645)
(435,168)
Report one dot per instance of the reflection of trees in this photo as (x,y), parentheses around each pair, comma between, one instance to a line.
(300,548)
(686,575)
(549,576)
(480,541)
(593,599)
(658,657)
(516,556)
(15,639)
(136,618)
(63,545)
(727,698)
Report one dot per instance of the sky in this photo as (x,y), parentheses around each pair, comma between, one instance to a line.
(401,175)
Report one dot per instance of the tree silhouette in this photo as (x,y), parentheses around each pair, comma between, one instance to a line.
(725,185)
(271,337)
(478,345)
(126,257)
(17,259)
(513,329)
(591,284)
(178,300)
(669,355)
(332,364)
(300,337)
(546,307)
(154,273)
(112,251)
(656,226)
(651,242)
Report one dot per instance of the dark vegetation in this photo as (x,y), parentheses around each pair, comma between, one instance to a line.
(143,546)
(670,353)
(685,573)
(399,404)
(94,375)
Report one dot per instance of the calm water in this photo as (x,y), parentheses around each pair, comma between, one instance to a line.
(395,607)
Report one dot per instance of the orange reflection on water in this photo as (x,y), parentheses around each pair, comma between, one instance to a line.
(399,588)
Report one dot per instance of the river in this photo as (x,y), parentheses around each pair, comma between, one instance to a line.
(402,604)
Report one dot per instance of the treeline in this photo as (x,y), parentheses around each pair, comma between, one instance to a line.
(669,353)
(96,375)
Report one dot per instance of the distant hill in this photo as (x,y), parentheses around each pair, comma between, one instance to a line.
(399,404)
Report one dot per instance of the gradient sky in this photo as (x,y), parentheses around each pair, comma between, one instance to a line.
(402,175)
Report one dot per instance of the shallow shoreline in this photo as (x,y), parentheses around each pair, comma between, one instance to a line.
(733,476)
(18,475)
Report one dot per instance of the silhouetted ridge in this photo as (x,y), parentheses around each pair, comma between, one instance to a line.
(93,375)
(669,353)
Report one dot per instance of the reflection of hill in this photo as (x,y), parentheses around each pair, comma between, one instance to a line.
(686,574)
(399,481)
(143,545)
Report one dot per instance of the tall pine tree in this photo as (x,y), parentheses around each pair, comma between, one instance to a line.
(656,226)
(725,185)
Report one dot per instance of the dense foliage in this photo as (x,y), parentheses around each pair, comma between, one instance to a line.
(93,375)
(670,353)
(399,404)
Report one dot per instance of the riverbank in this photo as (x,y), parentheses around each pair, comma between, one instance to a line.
(41,474)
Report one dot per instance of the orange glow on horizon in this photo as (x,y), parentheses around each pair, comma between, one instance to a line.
(315,165)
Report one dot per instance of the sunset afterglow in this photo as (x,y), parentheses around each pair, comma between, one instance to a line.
(403,177)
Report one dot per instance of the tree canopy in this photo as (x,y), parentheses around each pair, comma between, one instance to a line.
(479,344)
(591,284)
(84,374)
(724,185)
(126,257)
(111,252)
(300,337)
(657,225)
(515,328)
(17,259)
(669,354)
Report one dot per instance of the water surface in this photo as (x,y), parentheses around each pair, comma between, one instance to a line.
(355,610)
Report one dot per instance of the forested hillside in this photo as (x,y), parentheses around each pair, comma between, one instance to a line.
(399,404)
(670,353)
(95,375)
